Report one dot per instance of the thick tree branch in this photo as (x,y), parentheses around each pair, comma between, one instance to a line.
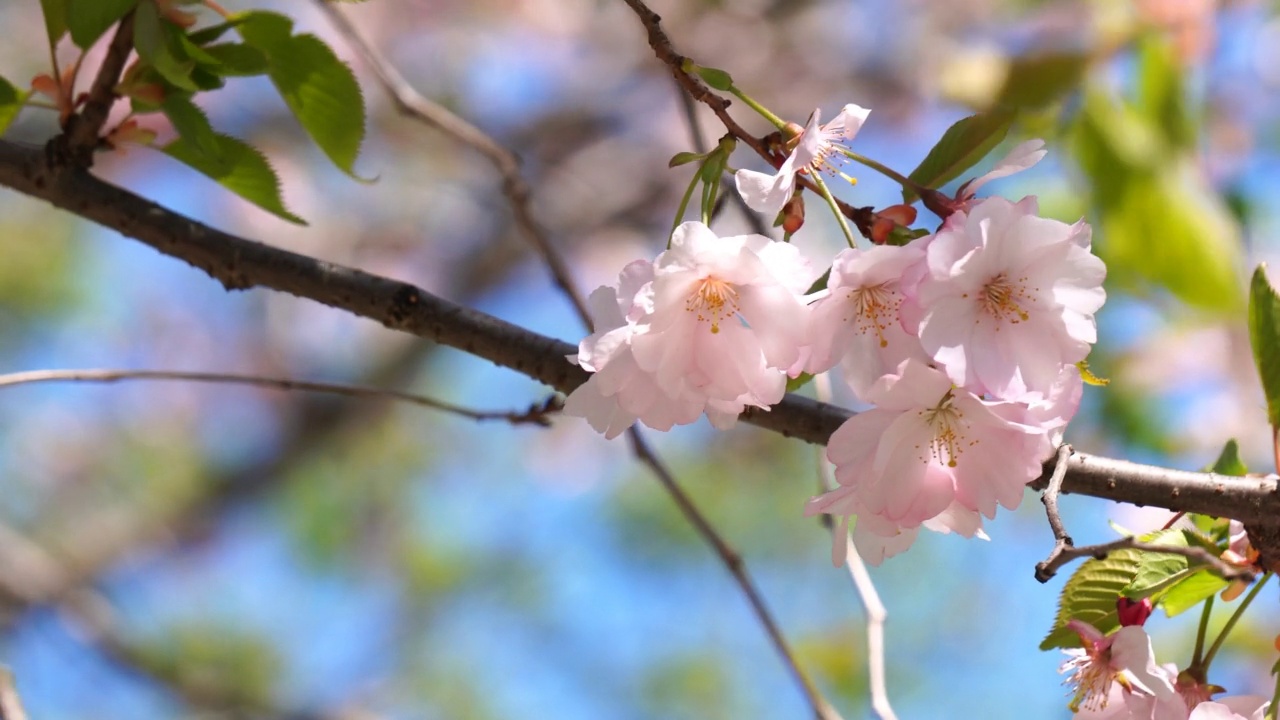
(239,263)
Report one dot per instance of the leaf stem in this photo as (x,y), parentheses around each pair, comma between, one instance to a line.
(1202,632)
(684,206)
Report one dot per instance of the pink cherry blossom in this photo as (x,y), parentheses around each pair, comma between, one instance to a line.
(1245,707)
(707,328)
(1008,298)
(858,324)
(727,317)
(1125,656)
(814,150)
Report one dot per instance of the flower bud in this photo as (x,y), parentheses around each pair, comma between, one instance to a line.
(1133,612)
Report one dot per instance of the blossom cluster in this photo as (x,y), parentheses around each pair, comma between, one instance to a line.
(966,342)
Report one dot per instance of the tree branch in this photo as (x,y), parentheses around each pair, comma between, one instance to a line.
(1062,555)
(536,414)
(10,703)
(81,136)
(239,263)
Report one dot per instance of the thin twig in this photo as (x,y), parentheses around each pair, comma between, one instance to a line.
(1201,556)
(733,562)
(537,413)
(1061,540)
(700,146)
(665,51)
(10,703)
(81,136)
(414,104)
(877,614)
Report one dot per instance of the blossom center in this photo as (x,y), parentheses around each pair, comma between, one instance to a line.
(1004,299)
(1092,679)
(947,424)
(712,301)
(874,307)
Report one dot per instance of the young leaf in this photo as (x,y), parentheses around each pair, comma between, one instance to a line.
(238,59)
(1190,591)
(192,125)
(319,88)
(962,145)
(1264,336)
(154,38)
(242,169)
(213,32)
(799,381)
(1229,462)
(11,101)
(89,19)
(1037,80)
(55,19)
(1090,595)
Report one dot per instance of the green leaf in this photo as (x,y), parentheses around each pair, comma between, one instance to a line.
(1090,595)
(1156,570)
(242,169)
(238,59)
(684,158)
(716,78)
(11,102)
(1229,462)
(1162,95)
(55,19)
(213,32)
(319,88)
(962,145)
(1037,80)
(155,39)
(1191,591)
(89,19)
(192,125)
(1264,336)
(795,383)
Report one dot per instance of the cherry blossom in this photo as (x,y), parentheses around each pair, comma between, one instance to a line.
(706,328)
(1021,157)
(928,444)
(1245,707)
(1124,656)
(813,151)
(1007,298)
(858,324)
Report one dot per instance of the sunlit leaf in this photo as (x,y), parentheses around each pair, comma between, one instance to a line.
(963,144)
(1190,592)
(1264,336)
(240,168)
(1229,462)
(1037,80)
(319,88)
(1090,595)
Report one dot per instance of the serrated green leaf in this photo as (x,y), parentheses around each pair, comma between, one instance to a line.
(55,19)
(238,59)
(89,19)
(154,37)
(962,145)
(242,169)
(1090,596)
(1158,570)
(1191,591)
(1264,336)
(1229,462)
(11,102)
(319,88)
(1037,80)
(192,125)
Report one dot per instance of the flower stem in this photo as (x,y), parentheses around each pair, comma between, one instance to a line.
(1201,632)
(1275,702)
(831,202)
(764,112)
(684,205)
(883,169)
(1231,622)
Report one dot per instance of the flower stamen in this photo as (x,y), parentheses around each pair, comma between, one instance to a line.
(713,300)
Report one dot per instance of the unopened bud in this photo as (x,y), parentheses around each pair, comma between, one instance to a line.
(793,214)
(1133,612)
(1233,590)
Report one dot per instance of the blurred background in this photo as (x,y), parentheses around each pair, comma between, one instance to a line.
(234,552)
